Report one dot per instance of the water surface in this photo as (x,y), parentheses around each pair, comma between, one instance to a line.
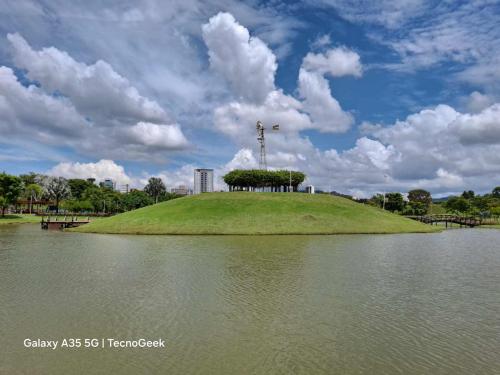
(363,304)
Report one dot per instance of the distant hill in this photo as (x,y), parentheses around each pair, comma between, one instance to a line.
(256,213)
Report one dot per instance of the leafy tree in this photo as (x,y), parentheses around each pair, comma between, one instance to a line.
(58,189)
(10,189)
(249,179)
(420,200)
(136,199)
(480,204)
(33,192)
(416,208)
(468,194)
(77,206)
(457,204)
(377,200)
(496,192)
(29,178)
(167,196)
(155,188)
(78,186)
(394,202)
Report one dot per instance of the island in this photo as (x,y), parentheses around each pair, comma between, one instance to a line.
(257,213)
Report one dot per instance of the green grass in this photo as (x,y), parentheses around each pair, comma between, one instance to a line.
(494,226)
(256,213)
(19,219)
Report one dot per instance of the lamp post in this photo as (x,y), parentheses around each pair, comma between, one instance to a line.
(290,185)
(383,204)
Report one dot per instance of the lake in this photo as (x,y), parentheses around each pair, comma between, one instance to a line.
(362,304)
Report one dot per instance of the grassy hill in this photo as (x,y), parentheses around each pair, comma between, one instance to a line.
(256,213)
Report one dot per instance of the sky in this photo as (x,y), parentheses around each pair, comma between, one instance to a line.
(370,96)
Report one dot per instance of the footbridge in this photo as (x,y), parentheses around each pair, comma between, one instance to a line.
(448,220)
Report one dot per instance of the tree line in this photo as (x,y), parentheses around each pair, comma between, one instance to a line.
(251,179)
(76,195)
(420,202)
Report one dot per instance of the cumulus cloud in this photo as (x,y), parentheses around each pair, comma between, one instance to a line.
(237,119)
(479,128)
(161,136)
(476,102)
(244,61)
(90,108)
(250,63)
(100,170)
(325,110)
(29,112)
(97,91)
(336,62)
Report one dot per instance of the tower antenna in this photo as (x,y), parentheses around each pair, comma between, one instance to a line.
(262,141)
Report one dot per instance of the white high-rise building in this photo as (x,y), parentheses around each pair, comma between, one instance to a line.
(203,180)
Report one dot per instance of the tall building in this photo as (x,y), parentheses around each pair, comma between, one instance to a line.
(203,180)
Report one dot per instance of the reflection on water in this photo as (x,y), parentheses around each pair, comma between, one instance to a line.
(391,304)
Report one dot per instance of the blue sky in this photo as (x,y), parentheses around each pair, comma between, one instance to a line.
(370,96)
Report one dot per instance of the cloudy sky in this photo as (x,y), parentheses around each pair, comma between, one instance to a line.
(370,96)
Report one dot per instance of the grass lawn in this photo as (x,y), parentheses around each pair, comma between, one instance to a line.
(257,213)
(19,219)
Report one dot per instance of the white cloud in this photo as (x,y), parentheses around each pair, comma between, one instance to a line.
(30,113)
(243,159)
(388,13)
(479,128)
(97,91)
(336,62)
(325,110)
(160,136)
(100,170)
(244,61)
(90,108)
(476,102)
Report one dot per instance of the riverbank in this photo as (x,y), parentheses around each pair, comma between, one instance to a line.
(257,213)
(19,219)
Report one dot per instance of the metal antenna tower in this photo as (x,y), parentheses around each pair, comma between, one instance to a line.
(262,141)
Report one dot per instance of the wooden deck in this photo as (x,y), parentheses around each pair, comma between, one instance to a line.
(56,222)
(467,221)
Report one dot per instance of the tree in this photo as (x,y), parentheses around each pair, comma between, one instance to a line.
(10,189)
(33,192)
(78,186)
(58,189)
(155,188)
(468,194)
(457,204)
(419,202)
(29,178)
(249,179)
(77,206)
(496,192)
(377,200)
(136,199)
(394,202)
